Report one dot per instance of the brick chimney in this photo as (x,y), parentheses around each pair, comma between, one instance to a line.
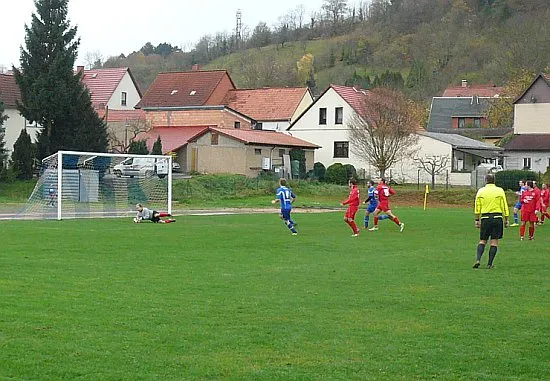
(464,83)
(195,67)
(79,69)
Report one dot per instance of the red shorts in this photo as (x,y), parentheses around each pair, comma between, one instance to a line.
(383,207)
(350,213)
(528,216)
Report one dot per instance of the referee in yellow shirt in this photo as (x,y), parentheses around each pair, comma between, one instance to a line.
(491,211)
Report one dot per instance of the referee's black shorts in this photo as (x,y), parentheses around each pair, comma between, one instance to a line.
(492,225)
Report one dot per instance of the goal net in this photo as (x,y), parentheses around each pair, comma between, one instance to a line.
(87,184)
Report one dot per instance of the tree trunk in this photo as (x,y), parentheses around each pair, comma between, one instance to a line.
(433,180)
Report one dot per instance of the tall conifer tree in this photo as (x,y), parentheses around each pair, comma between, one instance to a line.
(52,94)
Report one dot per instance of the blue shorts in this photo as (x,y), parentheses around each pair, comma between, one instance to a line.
(371,208)
(285,213)
(518,205)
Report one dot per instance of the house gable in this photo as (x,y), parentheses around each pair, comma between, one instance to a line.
(532,108)
(133,94)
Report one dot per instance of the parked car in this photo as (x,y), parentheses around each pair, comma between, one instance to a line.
(141,167)
(490,167)
(176,167)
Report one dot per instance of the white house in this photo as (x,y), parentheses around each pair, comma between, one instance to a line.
(111,88)
(529,148)
(325,123)
(9,95)
(272,108)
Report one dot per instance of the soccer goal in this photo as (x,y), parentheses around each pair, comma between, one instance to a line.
(87,184)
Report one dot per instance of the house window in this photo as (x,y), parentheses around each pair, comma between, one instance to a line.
(258,126)
(338,115)
(341,149)
(526,163)
(257,151)
(237,124)
(461,122)
(214,139)
(281,152)
(477,122)
(323,115)
(123,98)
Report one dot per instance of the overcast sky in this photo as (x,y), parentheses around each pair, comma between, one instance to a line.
(123,26)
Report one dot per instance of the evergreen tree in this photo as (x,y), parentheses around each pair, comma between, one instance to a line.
(51,93)
(138,147)
(3,150)
(157,147)
(23,156)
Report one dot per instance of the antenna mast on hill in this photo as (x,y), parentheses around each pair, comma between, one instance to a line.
(238,29)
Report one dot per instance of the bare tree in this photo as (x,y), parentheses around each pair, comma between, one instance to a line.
(300,15)
(433,164)
(335,10)
(94,60)
(382,130)
(122,137)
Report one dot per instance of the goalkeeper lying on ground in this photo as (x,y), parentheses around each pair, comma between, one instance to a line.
(151,215)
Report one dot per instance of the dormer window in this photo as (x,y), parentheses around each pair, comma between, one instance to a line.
(193,92)
(173,92)
(123,98)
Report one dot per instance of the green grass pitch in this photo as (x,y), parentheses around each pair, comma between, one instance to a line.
(238,298)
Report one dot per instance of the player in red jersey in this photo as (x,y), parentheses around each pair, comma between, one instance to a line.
(353,202)
(384,193)
(537,191)
(544,201)
(529,203)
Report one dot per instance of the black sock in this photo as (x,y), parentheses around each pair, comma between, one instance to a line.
(480,249)
(492,254)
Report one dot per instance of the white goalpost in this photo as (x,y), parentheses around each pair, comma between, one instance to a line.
(96,185)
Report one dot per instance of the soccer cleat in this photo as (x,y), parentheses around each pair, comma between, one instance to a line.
(294,233)
(531,238)
(401,226)
(476,265)
(373,229)
(521,238)
(489,267)
(514,224)
(354,235)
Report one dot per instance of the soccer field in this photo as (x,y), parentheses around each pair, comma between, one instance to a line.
(236,297)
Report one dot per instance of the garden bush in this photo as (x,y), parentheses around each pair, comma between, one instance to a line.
(509,179)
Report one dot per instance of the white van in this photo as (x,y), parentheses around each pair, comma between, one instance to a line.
(141,167)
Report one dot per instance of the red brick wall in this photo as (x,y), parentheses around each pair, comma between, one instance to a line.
(220,118)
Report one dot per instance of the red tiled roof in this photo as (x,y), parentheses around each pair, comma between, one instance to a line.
(353,96)
(267,103)
(529,142)
(269,138)
(181,89)
(9,91)
(473,90)
(122,115)
(102,83)
(172,138)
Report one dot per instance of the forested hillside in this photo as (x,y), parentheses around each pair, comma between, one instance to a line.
(419,45)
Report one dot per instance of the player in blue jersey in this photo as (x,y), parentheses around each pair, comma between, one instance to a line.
(372,203)
(286,197)
(517,207)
